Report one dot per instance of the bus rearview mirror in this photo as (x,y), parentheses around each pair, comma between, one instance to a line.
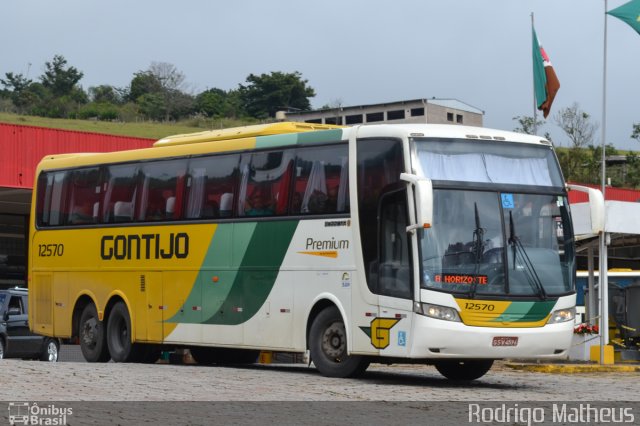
(596,207)
(423,192)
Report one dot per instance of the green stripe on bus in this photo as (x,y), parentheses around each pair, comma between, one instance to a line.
(273,141)
(257,274)
(525,312)
(320,136)
(220,262)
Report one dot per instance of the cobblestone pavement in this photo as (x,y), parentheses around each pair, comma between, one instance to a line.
(81,381)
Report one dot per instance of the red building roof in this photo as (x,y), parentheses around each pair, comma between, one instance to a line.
(22,147)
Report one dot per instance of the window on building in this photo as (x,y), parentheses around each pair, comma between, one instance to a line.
(417,112)
(450,116)
(375,116)
(353,119)
(314,121)
(397,114)
(459,118)
(333,120)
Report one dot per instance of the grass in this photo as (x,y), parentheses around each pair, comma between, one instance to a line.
(142,129)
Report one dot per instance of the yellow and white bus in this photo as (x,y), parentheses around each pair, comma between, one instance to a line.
(447,245)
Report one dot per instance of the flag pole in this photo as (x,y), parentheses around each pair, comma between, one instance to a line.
(535,113)
(604,285)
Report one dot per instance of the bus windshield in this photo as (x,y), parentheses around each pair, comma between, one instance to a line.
(497,243)
(503,237)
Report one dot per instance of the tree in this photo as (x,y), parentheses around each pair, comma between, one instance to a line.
(106,94)
(576,124)
(17,88)
(59,79)
(143,83)
(636,132)
(527,124)
(267,93)
(159,93)
(218,103)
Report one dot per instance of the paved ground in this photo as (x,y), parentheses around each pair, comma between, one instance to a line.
(81,381)
(82,393)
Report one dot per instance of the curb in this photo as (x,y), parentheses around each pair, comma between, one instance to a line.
(574,368)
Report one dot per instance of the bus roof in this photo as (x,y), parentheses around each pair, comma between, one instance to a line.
(278,135)
(242,132)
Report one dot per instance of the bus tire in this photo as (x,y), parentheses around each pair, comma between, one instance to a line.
(464,369)
(93,342)
(119,335)
(328,346)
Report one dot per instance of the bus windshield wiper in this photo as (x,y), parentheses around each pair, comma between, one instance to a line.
(518,248)
(478,250)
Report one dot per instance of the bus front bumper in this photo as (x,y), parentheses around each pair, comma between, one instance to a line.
(435,338)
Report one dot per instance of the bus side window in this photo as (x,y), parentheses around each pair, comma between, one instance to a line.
(53,202)
(321,181)
(84,195)
(211,191)
(265,183)
(121,191)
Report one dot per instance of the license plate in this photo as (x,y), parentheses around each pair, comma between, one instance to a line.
(505,341)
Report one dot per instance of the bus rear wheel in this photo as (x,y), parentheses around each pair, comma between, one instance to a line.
(328,346)
(119,336)
(93,342)
(467,370)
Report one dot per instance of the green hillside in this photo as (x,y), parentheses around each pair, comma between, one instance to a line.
(147,129)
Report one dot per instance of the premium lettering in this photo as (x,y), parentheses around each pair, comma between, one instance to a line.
(331,244)
(144,246)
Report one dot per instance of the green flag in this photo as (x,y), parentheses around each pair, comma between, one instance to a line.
(545,80)
(629,13)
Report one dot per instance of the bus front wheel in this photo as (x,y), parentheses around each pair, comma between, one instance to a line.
(93,342)
(328,346)
(467,370)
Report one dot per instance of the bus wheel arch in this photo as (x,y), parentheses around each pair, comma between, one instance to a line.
(327,342)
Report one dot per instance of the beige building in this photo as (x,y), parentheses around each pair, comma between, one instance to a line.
(434,111)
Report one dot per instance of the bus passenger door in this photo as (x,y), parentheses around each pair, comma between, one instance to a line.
(395,283)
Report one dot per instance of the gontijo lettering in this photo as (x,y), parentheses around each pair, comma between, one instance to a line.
(144,246)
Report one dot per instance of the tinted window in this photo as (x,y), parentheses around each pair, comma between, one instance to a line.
(52,203)
(84,196)
(120,193)
(162,190)
(321,183)
(212,186)
(380,163)
(265,179)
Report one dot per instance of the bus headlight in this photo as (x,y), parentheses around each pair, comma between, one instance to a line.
(438,312)
(562,315)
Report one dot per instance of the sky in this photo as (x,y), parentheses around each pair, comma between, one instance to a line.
(352,52)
